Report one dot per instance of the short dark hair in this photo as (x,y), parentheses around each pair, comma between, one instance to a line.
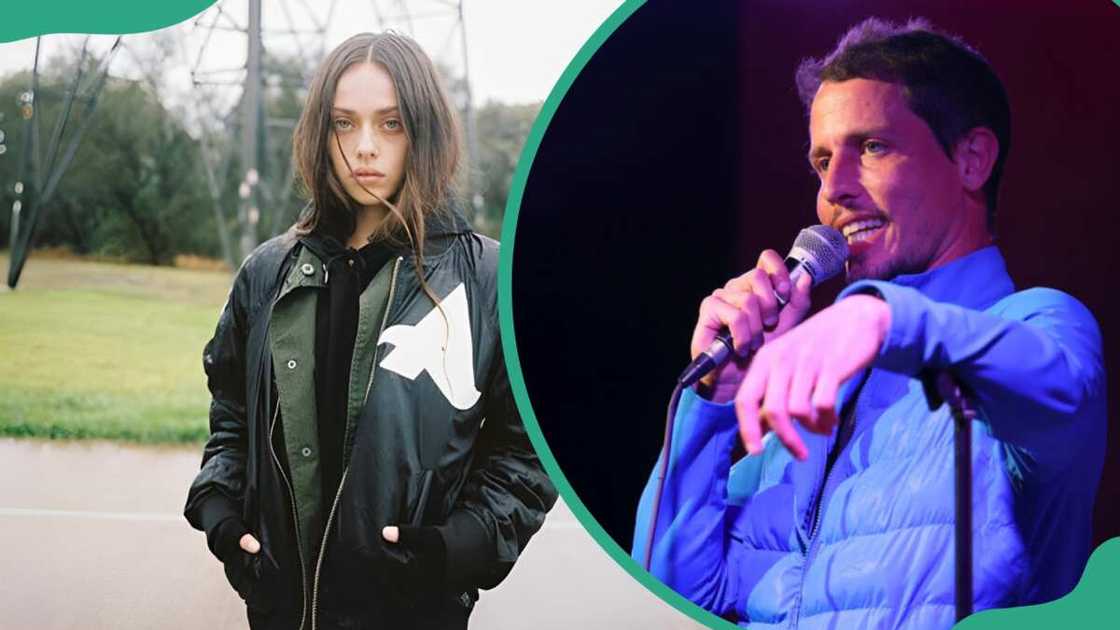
(945,82)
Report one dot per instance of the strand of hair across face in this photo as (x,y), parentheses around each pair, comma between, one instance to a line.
(418,256)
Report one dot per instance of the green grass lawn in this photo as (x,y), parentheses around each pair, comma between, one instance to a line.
(100,350)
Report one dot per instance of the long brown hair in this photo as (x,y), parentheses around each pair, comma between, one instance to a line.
(430,124)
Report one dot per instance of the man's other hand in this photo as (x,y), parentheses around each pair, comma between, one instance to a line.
(797,376)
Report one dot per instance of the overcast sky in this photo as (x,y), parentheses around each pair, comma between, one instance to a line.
(516,50)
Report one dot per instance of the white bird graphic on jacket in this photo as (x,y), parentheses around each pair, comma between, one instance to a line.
(420,348)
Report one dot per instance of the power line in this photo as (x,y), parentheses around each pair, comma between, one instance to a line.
(33,194)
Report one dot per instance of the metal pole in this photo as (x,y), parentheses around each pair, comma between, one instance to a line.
(29,180)
(216,200)
(963,413)
(472,134)
(963,536)
(248,213)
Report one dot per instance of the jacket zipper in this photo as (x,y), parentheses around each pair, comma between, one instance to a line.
(345,471)
(809,549)
(819,500)
(295,517)
(384,320)
(815,525)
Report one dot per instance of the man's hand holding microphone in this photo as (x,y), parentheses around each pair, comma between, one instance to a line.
(782,368)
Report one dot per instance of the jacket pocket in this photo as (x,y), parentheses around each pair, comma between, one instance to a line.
(253,576)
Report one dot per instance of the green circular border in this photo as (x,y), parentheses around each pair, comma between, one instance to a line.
(31,18)
(509,345)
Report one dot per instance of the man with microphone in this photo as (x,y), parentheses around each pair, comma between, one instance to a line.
(841,512)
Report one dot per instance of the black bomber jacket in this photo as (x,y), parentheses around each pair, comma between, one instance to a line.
(429,447)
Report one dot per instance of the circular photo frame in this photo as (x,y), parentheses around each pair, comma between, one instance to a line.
(673,151)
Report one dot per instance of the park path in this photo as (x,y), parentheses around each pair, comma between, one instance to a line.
(91,536)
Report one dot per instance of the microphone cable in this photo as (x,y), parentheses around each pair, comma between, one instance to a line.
(663,467)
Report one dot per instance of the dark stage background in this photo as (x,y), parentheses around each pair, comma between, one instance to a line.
(678,155)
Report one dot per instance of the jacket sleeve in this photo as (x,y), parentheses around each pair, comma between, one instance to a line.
(504,499)
(217,492)
(1035,369)
(693,552)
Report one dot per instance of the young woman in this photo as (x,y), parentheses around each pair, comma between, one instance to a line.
(366,465)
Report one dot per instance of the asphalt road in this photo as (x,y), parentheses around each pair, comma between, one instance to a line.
(91,536)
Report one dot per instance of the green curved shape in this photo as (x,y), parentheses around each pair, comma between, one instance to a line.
(30,18)
(1092,601)
(509,346)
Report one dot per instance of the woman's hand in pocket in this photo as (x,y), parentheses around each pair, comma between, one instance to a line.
(250,544)
(421,555)
(230,537)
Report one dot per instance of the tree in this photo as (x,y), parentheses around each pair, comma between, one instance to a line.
(502,130)
(138,186)
(133,189)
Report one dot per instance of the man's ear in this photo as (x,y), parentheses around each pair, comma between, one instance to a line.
(975,155)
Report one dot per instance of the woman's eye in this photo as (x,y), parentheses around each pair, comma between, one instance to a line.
(393,124)
(342,124)
(822,165)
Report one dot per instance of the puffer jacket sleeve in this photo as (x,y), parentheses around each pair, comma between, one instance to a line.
(218,490)
(692,552)
(504,499)
(1033,363)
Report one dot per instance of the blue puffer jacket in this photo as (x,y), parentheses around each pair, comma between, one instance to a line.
(748,541)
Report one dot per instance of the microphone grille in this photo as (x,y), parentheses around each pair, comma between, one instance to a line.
(822,249)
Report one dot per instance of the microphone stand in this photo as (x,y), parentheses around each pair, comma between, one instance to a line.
(947,389)
(942,388)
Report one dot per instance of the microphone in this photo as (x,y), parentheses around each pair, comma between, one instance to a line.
(819,251)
